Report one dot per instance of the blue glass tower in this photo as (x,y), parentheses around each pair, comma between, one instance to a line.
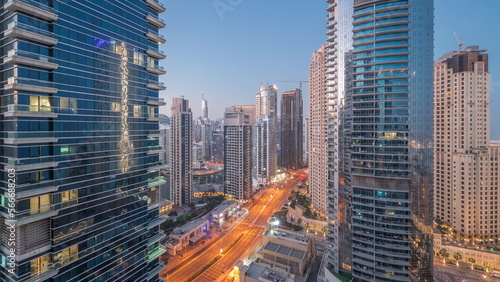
(384,202)
(79,125)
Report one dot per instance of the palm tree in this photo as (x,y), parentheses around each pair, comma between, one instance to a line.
(444,254)
(472,261)
(487,266)
(457,256)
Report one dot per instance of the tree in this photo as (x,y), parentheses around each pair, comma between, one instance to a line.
(172,213)
(487,266)
(444,254)
(457,256)
(191,205)
(472,261)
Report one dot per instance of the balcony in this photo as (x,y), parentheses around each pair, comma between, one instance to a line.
(32,163)
(155,271)
(156,181)
(30,85)
(151,255)
(156,222)
(155,21)
(154,133)
(15,110)
(156,6)
(36,217)
(156,101)
(20,30)
(21,57)
(155,53)
(155,117)
(155,85)
(156,70)
(29,137)
(155,149)
(156,238)
(32,8)
(35,192)
(155,37)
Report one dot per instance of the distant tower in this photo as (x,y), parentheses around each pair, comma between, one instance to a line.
(291,129)
(204,107)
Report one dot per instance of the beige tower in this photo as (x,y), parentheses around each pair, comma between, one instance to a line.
(318,169)
(466,165)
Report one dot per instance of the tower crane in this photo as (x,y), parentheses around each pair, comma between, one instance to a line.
(459,40)
(301,81)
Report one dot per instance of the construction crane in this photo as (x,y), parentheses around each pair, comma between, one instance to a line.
(305,81)
(459,40)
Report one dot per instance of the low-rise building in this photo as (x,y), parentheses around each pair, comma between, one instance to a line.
(287,249)
(259,271)
(296,216)
(481,256)
(225,211)
(189,234)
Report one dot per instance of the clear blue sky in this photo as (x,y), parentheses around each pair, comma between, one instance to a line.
(227,53)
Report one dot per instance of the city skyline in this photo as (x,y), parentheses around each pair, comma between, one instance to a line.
(223,39)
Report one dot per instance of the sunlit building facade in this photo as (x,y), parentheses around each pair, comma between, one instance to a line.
(80,130)
(381,205)
(318,175)
(466,165)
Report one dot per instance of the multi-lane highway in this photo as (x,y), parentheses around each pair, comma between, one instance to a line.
(249,232)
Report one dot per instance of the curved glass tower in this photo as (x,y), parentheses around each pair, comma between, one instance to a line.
(79,125)
(385,192)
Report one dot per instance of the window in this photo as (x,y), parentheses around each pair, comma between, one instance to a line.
(137,111)
(67,103)
(67,255)
(115,107)
(40,204)
(69,198)
(40,104)
(138,58)
(40,265)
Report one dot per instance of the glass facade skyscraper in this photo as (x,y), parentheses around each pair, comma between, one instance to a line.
(383,199)
(79,98)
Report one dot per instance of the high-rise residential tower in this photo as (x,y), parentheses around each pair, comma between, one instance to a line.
(181,152)
(318,174)
(380,201)
(80,140)
(266,139)
(292,145)
(466,166)
(237,154)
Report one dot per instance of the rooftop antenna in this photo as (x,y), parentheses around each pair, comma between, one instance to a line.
(459,40)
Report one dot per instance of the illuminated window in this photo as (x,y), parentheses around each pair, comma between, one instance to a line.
(40,265)
(67,255)
(151,62)
(40,104)
(137,111)
(115,107)
(67,103)
(138,58)
(40,204)
(69,198)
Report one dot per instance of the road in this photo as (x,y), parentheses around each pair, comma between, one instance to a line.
(450,273)
(251,228)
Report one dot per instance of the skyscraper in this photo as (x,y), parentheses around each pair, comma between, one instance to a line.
(466,166)
(292,145)
(237,154)
(318,175)
(80,90)
(181,152)
(204,107)
(381,215)
(266,141)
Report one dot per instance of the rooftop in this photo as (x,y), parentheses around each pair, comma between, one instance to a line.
(223,206)
(287,235)
(285,250)
(188,227)
(267,271)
